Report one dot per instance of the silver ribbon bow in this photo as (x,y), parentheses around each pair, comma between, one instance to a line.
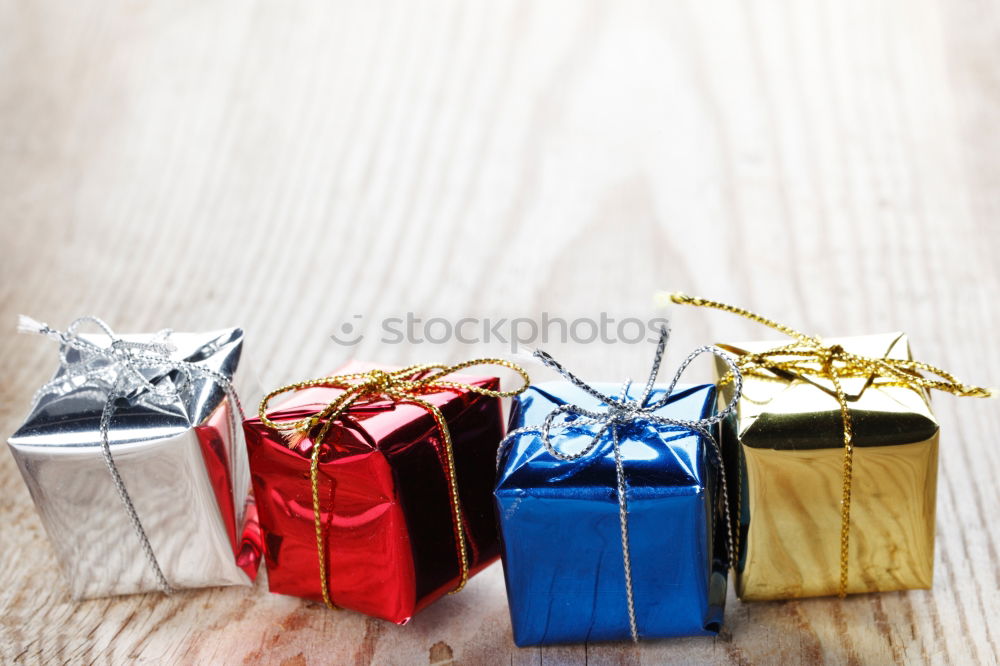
(121,370)
(621,411)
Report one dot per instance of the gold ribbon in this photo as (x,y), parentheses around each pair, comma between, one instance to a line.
(405,385)
(810,356)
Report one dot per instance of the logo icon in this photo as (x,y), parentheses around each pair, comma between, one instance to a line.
(349,334)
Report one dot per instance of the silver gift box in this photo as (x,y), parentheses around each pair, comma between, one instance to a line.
(187,478)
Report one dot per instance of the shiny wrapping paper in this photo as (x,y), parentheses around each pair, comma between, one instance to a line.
(188,481)
(559,522)
(383,490)
(784,454)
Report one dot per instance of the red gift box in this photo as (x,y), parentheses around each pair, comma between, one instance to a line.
(385,505)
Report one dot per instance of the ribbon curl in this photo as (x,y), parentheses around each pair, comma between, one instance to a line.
(809,356)
(619,412)
(119,369)
(405,385)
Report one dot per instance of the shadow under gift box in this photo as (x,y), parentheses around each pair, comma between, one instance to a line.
(559,523)
(188,481)
(386,508)
(784,456)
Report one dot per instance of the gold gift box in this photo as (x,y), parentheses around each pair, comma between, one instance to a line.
(785,459)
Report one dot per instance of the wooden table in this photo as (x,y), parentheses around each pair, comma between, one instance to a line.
(284,168)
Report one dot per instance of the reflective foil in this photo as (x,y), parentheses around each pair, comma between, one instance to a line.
(189,483)
(383,490)
(784,454)
(561,544)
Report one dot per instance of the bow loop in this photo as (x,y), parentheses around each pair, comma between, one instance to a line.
(578,417)
(736,378)
(546,359)
(138,350)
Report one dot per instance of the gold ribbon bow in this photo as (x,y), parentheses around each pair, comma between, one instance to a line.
(405,385)
(810,356)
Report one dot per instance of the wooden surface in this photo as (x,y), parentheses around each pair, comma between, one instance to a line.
(284,167)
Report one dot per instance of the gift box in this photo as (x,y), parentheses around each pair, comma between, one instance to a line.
(785,455)
(386,519)
(832,459)
(563,543)
(176,448)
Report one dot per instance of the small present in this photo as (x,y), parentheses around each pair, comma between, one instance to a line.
(374,485)
(617,527)
(135,460)
(832,459)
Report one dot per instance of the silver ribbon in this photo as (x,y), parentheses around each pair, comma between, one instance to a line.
(621,411)
(119,369)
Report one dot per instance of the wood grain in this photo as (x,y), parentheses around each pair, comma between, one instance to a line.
(285,166)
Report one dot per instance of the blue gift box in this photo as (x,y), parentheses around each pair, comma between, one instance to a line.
(562,546)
